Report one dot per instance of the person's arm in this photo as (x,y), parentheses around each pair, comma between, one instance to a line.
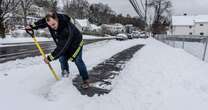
(60,49)
(40,24)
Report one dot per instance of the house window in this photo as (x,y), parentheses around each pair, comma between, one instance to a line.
(190,33)
(190,27)
(201,33)
(201,24)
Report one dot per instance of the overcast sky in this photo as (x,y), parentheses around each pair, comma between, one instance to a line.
(191,7)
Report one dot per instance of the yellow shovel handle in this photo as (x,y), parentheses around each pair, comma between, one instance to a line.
(42,53)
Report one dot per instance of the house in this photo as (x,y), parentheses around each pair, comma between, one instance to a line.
(85,24)
(113,28)
(36,11)
(16,20)
(129,28)
(96,28)
(189,25)
(201,25)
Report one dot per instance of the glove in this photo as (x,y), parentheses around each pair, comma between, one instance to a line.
(50,58)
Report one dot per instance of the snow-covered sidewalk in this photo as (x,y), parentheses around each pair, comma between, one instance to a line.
(158,77)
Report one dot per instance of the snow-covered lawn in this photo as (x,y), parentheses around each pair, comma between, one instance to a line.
(158,77)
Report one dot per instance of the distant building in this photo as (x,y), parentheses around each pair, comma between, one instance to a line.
(85,24)
(36,11)
(113,28)
(129,28)
(189,25)
(16,20)
(96,28)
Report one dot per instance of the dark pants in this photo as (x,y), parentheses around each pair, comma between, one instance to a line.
(79,63)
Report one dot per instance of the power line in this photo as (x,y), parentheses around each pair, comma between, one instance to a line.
(139,11)
(135,8)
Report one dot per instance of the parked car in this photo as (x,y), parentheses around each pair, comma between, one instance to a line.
(130,36)
(143,35)
(135,34)
(121,37)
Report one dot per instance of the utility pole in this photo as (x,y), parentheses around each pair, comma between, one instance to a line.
(145,18)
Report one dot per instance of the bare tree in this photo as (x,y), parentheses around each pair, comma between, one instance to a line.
(25,5)
(52,4)
(77,8)
(6,8)
(100,13)
(162,13)
(47,4)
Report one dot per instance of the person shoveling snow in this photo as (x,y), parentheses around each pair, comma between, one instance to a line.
(68,40)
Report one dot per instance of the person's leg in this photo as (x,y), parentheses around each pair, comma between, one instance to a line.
(81,67)
(64,65)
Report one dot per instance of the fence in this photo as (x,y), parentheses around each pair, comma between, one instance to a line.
(196,45)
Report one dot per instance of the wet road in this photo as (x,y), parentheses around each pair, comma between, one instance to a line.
(15,51)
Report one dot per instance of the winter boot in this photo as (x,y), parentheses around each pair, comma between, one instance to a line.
(65,74)
(85,84)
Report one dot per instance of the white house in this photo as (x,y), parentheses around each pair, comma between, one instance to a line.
(189,25)
(114,28)
(96,28)
(201,25)
(85,24)
(36,11)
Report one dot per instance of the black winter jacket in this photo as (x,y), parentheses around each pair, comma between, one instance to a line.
(67,37)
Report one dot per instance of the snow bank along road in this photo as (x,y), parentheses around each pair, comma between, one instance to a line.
(22,50)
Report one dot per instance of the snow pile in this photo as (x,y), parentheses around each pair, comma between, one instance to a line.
(11,40)
(22,40)
(158,77)
(95,37)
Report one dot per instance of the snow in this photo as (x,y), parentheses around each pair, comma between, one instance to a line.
(201,18)
(95,37)
(22,40)
(158,77)
(83,22)
(9,41)
(194,48)
(175,81)
(95,27)
(188,20)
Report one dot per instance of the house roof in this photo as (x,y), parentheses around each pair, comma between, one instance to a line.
(201,18)
(188,20)
(183,20)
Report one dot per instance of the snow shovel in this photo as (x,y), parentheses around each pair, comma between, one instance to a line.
(31,32)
